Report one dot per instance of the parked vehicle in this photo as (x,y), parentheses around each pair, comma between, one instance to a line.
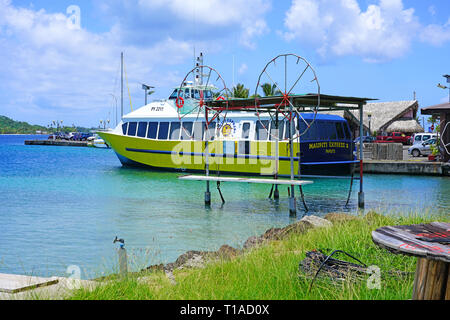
(418,138)
(80,136)
(422,149)
(366,139)
(396,137)
(57,136)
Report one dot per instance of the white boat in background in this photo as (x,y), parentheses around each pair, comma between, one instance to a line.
(98,142)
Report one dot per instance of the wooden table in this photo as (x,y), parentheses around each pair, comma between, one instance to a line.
(431,244)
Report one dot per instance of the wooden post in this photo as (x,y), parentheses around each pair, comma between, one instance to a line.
(432,280)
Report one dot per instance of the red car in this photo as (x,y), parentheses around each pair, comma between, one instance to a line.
(394,137)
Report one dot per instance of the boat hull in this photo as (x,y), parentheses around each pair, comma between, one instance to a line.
(256,158)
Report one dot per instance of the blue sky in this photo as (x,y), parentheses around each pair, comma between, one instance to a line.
(51,69)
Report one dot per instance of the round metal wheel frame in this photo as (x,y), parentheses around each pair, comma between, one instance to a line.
(444,132)
(415,153)
(200,105)
(287,95)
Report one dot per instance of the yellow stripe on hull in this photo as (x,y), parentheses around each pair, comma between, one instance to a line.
(189,155)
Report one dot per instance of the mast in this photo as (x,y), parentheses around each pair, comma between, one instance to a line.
(121,85)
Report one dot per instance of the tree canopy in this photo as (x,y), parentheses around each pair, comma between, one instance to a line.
(239,91)
(270,90)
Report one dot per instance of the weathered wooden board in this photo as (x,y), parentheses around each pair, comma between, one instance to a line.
(431,280)
(421,240)
(13,283)
(247,180)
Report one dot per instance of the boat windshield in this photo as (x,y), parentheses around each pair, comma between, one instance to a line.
(174,94)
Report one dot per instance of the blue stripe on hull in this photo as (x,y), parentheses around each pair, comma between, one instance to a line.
(246,156)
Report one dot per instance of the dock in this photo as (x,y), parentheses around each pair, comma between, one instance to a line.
(65,143)
(410,167)
(26,287)
(246,180)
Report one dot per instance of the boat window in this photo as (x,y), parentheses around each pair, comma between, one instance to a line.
(312,133)
(340,131)
(211,132)
(199,130)
(261,129)
(246,130)
(174,94)
(186,131)
(132,128)
(347,132)
(196,94)
(124,128)
(174,131)
(208,94)
(152,129)
(186,93)
(163,130)
(280,130)
(328,131)
(142,129)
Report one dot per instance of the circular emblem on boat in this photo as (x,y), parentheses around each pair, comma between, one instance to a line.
(228,128)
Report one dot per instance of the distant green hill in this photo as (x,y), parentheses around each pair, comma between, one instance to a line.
(10,126)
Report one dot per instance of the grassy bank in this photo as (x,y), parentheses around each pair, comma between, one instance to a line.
(271,271)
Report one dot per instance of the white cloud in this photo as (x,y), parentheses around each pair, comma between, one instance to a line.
(211,20)
(435,34)
(383,32)
(243,68)
(50,69)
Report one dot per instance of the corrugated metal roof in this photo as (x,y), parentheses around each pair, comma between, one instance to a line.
(436,108)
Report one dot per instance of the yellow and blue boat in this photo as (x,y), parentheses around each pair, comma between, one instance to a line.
(156,137)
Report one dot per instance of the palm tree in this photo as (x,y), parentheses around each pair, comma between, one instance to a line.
(239,91)
(270,90)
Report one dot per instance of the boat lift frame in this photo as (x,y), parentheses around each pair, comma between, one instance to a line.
(301,103)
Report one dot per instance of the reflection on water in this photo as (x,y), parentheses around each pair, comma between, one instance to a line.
(63,206)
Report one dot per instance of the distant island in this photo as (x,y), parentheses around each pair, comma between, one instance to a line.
(10,126)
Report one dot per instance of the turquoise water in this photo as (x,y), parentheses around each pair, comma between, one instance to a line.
(63,206)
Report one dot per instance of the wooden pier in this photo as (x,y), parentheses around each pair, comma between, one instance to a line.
(65,143)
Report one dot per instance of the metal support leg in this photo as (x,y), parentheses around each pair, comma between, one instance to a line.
(292,201)
(276,194)
(220,192)
(361,157)
(350,191)
(207,193)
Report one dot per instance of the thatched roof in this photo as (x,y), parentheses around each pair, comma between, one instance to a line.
(406,126)
(386,116)
(386,113)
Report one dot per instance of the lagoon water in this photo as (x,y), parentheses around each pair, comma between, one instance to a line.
(63,206)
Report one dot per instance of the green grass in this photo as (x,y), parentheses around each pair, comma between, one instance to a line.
(271,272)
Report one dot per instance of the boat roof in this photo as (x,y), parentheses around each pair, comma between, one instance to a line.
(301,102)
